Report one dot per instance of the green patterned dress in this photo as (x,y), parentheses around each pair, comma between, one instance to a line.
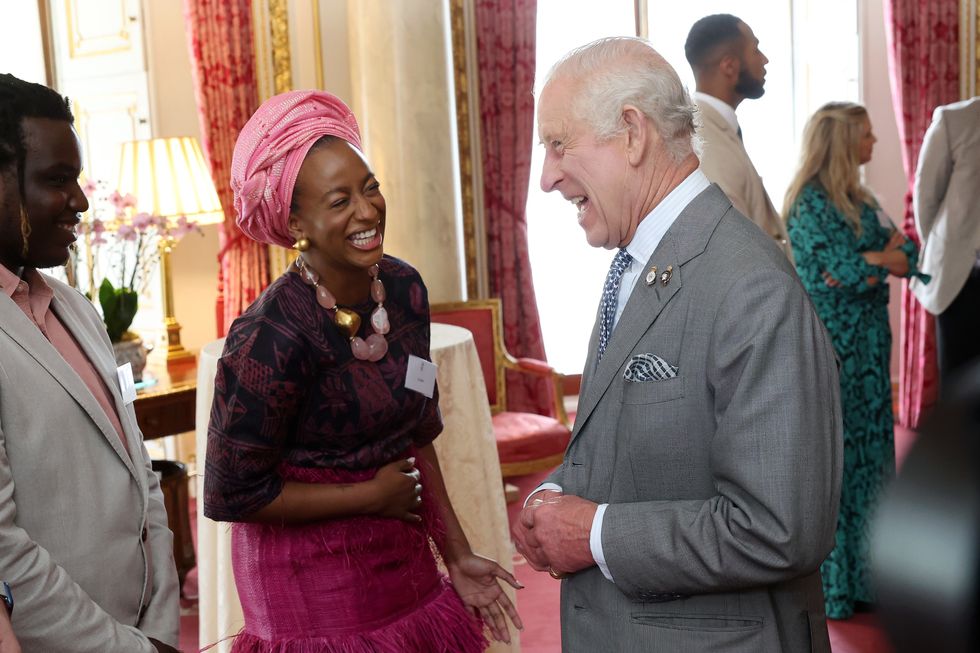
(856,316)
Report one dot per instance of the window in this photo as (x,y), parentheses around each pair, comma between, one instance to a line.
(802,75)
(568,273)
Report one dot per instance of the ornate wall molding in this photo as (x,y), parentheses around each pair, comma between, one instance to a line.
(262,44)
(466,89)
(969,50)
(317,43)
(270,28)
(282,70)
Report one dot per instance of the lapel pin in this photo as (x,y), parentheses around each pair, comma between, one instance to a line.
(667,274)
(652,276)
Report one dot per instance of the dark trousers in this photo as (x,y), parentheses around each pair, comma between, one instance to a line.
(958,332)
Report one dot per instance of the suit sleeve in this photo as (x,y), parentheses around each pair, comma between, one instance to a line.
(53,612)
(775,457)
(161,621)
(931,175)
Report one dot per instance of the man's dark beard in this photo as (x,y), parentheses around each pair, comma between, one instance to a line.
(748,87)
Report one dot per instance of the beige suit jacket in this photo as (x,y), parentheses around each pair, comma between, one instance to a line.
(77,512)
(726,163)
(947,213)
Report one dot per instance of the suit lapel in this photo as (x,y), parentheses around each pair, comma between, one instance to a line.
(30,338)
(641,310)
(685,239)
(94,348)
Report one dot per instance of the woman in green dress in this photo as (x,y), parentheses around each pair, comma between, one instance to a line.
(845,248)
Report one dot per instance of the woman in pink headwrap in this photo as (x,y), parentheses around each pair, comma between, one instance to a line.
(317,450)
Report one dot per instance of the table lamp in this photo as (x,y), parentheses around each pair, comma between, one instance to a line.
(169,177)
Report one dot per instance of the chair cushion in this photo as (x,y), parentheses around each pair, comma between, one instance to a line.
(527,436)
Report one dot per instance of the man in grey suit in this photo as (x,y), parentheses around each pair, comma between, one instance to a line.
(729,67)
(947,217)
(699,492)
(84,542)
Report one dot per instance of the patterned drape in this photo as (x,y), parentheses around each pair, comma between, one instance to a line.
(506,58)
(220,40)
(923,39)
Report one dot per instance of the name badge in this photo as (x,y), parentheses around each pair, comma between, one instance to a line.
(127,386)
(420,376)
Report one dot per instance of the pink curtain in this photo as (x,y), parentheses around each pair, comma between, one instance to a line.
(506,58)
(923,39)
(220,40)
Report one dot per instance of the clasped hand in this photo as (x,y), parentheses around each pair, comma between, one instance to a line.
(553,532)
(398,491)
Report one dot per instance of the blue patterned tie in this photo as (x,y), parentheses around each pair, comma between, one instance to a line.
(610,297)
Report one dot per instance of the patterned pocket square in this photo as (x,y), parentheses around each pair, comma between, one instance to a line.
(649,367)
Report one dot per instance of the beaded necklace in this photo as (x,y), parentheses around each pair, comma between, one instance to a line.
(374,347)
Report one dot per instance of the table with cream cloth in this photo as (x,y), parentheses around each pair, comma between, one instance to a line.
(467,455)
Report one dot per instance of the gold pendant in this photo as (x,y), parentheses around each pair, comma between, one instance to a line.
(348,322)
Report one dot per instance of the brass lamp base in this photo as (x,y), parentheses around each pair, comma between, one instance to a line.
(175,351)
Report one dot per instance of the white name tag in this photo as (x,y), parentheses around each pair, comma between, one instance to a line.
(420,376)
(127,386)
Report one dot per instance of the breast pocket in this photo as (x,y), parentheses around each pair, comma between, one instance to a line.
(653,392)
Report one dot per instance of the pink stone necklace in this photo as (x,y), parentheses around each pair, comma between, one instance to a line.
(374,347)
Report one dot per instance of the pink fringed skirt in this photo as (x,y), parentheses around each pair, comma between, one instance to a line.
(357,585)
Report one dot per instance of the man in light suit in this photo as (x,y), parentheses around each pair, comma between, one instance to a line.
(699,491)
(84,541)
(728,68)
(947,217)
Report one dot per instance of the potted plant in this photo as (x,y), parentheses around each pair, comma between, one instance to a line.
(120,249)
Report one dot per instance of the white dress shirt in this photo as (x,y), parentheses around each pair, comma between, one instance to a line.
(648,235)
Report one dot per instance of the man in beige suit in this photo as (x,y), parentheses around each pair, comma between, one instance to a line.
(947,217)
(728,68)
(84,542)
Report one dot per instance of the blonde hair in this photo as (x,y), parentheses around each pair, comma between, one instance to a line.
(830,158)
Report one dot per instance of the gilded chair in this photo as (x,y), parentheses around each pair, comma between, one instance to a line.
(526,442)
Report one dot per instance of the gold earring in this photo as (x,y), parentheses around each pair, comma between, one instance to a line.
(25,230)
(302,244)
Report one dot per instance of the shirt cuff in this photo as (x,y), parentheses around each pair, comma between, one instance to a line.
(595,541)
(540,488)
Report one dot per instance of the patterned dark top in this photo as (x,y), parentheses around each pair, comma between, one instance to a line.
(289,391)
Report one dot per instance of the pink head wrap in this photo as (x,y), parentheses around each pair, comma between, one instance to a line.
(269,152)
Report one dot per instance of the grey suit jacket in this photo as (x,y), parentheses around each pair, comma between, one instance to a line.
(726,163)
(947,213)
(73,502)
(723,482)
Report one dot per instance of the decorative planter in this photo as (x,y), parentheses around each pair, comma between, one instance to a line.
(131,350)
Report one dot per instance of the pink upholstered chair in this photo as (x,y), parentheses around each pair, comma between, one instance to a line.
(526,442)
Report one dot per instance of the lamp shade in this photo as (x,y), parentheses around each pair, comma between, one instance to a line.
(169,177)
